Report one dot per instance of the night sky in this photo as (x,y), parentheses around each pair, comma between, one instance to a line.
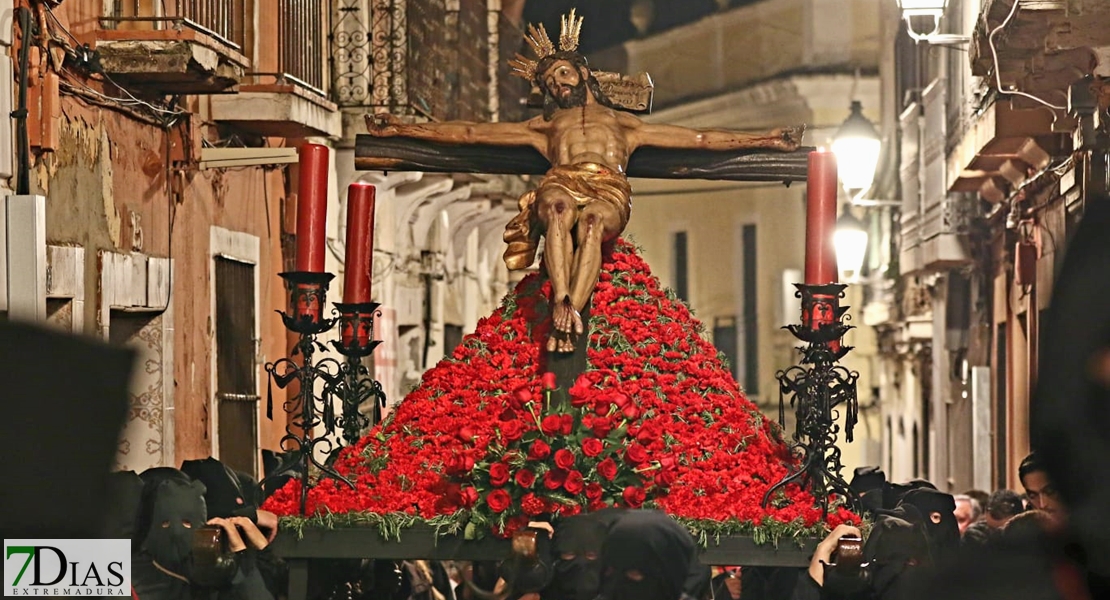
(607,22)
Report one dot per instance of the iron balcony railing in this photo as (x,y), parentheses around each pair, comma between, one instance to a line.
(302,38)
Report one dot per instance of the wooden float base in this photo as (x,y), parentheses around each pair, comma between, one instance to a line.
(421,542)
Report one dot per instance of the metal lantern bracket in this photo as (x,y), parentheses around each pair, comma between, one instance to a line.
(819,389)
(312,422)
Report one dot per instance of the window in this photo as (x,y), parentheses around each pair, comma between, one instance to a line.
(725,338)
(236,388)
(681,264)
(750,330)
(1000,371)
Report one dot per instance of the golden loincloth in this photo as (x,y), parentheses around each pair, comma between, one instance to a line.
(587,183)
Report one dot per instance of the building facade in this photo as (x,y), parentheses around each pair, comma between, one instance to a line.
(155,193)
(995,162)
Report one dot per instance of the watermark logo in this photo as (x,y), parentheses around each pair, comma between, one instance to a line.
(67,568)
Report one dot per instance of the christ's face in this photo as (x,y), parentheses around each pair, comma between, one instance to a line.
(565,84)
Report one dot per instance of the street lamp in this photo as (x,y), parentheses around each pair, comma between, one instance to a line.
(850,240)
(856,145)
(923,22)
(922,14)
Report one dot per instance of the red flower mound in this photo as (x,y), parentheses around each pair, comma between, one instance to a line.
(486,442)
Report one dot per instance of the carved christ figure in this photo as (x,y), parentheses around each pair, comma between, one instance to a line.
(585,199)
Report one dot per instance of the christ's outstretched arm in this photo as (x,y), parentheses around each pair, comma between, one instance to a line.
(786,139)
(527,133)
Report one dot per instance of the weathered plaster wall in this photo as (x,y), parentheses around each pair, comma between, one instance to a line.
(107,189)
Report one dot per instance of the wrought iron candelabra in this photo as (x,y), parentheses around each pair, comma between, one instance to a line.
(818,389)
(312,422)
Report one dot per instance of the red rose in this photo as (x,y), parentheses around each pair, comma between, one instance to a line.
(554,479)
(468,497)
(459,464)
(602,408)
(594,491)
(567,425)
(633,496)
(525,478)
(620,400)
(539,450)
(607,469)
(564,459)
(548,381)
(668,462)
(551,425)
(592,447)
(498,474)
(520,398)
(512,431)
(630,411)
(580,391)
(601,427)
(574,483)
(466,433)
(636,454)
(499,500)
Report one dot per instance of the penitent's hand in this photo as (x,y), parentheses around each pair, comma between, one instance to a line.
(250,532)
(824,551)
(383,125)
(234,540)
(268,522)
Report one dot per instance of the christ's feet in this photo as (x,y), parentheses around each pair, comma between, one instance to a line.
(566,326)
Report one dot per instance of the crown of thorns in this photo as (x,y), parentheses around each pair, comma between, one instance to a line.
(570,27)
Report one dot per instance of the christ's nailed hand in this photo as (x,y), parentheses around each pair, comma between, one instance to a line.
(790,138)
(383,125)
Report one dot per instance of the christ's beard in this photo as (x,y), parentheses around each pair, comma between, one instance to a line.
(576,97)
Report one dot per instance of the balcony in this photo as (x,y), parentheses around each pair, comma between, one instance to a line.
(169,55)
(278,105)
(1001,149)
(1044,47)
(292,102)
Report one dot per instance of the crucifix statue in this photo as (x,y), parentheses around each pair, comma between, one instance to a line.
(584,199)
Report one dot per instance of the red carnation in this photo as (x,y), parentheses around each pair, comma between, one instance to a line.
(539,450)
(548,381)
(574,483)
(636,454)
(594,491)
(607,469)
(551,425)
(634,496)
(555,478)
(498,474)
(525,478)
(533,505)
(499,500)
(564,459)
(592,447)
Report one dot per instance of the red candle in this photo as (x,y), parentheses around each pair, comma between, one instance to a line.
(360,243)
(312,208)
(821,191)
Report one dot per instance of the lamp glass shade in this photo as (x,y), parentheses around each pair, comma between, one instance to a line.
(922,7)
(850,240)
(857,146)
